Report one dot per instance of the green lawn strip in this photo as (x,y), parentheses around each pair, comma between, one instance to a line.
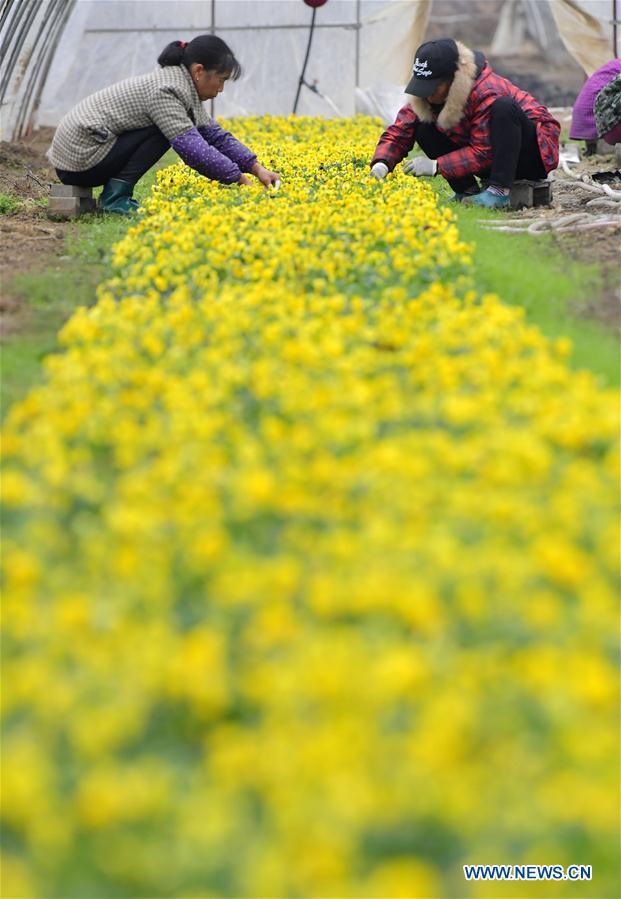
(534,273)
(52,294)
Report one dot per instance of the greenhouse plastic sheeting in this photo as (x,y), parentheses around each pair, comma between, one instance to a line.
(366,44)
(360,59)
(383,102)
(585,28)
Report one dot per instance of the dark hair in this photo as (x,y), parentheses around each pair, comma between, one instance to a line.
(208,50)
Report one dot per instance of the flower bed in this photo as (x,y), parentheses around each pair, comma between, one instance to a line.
(310,559)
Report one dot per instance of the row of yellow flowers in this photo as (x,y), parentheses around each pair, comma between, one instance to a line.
(310,558)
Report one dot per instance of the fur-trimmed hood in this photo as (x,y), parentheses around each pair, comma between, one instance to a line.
(469,67)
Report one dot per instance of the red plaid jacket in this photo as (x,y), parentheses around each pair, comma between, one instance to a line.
(472,133)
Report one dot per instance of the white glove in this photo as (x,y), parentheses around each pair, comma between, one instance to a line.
(379,170)
(420,165)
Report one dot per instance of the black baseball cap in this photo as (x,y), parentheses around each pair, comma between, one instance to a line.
(436,61)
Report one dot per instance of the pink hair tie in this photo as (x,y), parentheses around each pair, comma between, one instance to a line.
(183,44)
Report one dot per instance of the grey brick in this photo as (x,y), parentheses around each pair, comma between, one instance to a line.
(521,194)
(70,207)
(542,193)
(70,190)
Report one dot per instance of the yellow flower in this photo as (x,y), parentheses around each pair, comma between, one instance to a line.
(311,557)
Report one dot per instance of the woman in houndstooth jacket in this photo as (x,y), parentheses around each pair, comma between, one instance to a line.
(117,134)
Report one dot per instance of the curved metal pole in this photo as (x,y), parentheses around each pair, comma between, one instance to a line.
(31,38)
(308,48)
(17,33)
(51,53)
(38,52)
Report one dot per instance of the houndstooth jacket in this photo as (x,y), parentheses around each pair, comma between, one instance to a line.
(165,97)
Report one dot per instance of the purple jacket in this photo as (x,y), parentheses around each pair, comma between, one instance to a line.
(583,119)
(215,153)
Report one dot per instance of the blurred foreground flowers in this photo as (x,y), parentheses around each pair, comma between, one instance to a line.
(310,559)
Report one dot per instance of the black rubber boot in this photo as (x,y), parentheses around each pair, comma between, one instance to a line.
(117,197)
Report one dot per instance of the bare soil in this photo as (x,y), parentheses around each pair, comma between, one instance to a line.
(29,241)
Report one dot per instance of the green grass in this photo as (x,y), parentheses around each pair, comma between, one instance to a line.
(532,272)
(51,295)
(8,204)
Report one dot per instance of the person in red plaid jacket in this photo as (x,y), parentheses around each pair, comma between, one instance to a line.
(468,121)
